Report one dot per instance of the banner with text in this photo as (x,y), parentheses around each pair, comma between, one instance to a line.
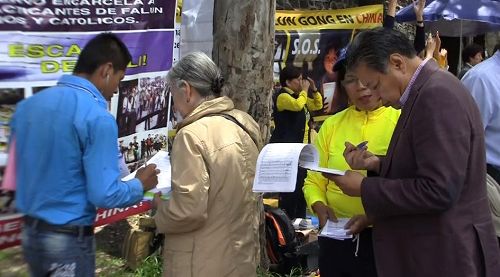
(86,15)
(363,17)
(40,40)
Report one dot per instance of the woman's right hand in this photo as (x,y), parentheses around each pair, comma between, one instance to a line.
(360,159)
(430,47)
(324,213)
(304,84)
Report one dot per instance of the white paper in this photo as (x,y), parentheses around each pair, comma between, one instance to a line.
(328,92)
(162,161)
(309,159)
(278,162)
(277,167)
(335,230)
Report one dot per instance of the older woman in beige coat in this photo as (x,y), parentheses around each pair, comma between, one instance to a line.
(211,219)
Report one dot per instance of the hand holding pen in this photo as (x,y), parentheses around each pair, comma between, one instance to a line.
(148,175)
(359,158)
(362,145)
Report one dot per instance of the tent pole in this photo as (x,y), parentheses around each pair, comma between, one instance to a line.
(460,49)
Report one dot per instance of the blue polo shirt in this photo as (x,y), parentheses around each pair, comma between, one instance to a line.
(66,155)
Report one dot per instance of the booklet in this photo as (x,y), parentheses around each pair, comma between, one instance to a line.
(278,162)
(335,230)
(162,161)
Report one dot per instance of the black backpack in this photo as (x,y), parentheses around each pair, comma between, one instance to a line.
(281,241)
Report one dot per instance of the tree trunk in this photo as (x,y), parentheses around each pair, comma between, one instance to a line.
(243,49)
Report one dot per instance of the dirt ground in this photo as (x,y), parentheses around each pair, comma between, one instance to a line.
(109,241)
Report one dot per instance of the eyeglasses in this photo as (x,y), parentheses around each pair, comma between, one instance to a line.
(349,81)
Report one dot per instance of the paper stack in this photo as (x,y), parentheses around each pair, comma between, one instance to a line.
(162,161)
(335,230)
(278,163)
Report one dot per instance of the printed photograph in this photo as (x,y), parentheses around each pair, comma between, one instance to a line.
(142,105)
(138,148)
(9,97)
(36,90)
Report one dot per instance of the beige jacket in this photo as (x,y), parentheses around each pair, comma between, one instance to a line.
(212,218)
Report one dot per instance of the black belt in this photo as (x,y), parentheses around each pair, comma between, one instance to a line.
(494,172)
(42,225)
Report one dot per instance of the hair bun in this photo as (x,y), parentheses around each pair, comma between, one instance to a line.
(217,84)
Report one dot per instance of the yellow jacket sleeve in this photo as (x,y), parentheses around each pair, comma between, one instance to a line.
(286,102)
(316,103)
(315,184)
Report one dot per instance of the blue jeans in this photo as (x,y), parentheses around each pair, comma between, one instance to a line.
(57,254)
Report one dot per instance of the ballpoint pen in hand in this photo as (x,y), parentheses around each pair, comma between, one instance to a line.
(362,145)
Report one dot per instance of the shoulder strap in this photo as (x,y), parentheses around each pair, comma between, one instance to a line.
(231,118)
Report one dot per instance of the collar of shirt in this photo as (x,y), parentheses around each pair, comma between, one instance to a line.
(85,85)
(406,93)
(289,90)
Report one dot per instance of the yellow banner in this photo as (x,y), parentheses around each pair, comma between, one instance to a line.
(364,17)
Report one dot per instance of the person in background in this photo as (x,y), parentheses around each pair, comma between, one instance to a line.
(291,118)
(66,149)
(483,82)
(472,54)
(211,221)
(364,120)
(418,8)
(434,51)
(428,205)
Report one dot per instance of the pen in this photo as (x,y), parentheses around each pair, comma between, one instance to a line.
(362,145)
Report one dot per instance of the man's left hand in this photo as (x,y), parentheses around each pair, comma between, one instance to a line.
(350,183)
(357,224)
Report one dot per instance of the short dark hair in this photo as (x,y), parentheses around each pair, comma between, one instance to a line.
(102,49)
(342,98)
(288,73)
(373,47)
(470,51)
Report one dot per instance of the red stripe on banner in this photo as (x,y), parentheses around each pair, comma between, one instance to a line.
(112,215)
(10,230)
(11,225)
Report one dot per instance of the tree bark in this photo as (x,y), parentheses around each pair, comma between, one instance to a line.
(243,49)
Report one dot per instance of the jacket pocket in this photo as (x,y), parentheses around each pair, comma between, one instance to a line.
(489,248)
(178,257)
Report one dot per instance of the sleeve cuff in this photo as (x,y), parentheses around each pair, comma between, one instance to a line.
(136,190)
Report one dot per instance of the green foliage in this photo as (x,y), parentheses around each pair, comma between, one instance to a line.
(296,272)
(152,266)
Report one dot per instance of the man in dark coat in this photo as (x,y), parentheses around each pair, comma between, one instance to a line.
(428,205)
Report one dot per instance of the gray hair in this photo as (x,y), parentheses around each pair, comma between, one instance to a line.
(200,72)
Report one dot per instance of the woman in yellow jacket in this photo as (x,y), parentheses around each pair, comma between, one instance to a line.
(292,104)
(364,120)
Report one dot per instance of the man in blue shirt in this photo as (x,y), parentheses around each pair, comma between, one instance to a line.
(483,82)
(67,162)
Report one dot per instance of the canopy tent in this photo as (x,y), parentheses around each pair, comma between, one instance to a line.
(457,18)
